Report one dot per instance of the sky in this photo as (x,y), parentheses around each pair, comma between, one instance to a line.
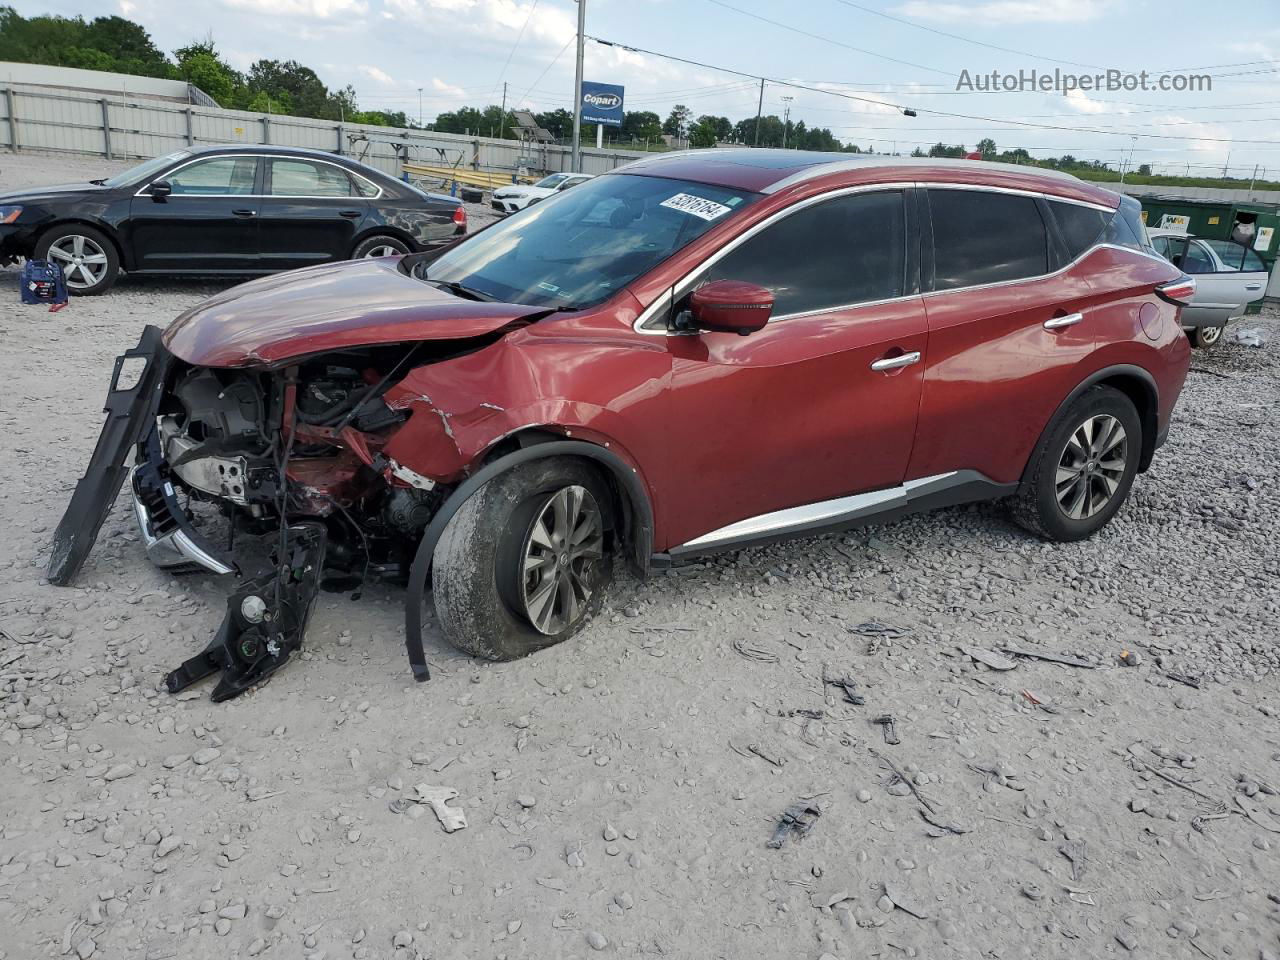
(890,54)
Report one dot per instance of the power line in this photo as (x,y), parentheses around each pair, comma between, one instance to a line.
(547,69)
(956,36)
(912,111)
(838,43)
(519,36)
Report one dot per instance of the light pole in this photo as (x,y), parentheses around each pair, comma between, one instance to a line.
(786,119)
(419,108)
(577,89)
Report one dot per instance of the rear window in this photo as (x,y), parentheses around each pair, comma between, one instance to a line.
(1079,226)
(984,237)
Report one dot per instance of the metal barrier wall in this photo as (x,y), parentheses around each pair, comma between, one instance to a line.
(74,121)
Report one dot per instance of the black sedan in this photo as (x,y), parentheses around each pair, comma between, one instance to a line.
(234,210)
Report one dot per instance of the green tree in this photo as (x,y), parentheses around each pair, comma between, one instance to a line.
(199,64)
(640,125)
(986,147)
(678,121)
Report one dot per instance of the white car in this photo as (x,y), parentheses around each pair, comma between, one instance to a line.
(1229,277)
(517,197)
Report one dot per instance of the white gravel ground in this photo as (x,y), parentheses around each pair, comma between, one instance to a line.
(619,790)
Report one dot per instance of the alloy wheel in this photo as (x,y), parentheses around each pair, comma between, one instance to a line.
(383,250)
(564,541)
(83,261)
(1091,466)
(1210,335)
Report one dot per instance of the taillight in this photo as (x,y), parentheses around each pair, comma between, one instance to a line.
(460,217)
(1178,292)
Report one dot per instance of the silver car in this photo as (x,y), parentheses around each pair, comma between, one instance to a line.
(1229,277)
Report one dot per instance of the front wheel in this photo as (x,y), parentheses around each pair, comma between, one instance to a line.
(1205,336)
(525,561)
(88,259)
(1081,472)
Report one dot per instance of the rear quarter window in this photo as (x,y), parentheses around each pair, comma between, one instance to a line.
(1080,227)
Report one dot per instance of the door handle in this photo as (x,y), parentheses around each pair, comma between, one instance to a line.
(349,214)
(1253,286)
(894,363)
(245,212)
(1057,323)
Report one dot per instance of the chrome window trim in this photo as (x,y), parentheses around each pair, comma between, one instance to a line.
(679,289)
(263,196)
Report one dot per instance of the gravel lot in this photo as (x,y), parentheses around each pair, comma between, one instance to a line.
(620,790)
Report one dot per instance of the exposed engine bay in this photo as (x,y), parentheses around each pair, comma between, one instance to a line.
(277,475)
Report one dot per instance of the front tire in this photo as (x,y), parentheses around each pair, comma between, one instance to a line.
(524,563)
(382,245)
(1081,472)
(88,259)
(1205,337)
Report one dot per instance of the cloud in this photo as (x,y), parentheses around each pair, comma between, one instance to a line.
(999,12)
(376,75)
(447,89)
(309,9)
(1077,101)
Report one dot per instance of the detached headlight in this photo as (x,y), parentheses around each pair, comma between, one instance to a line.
(10,213)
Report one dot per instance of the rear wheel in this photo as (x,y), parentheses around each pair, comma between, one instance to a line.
(1206,336)
(380,246)
(524,562)
(88,259)
(1080,474)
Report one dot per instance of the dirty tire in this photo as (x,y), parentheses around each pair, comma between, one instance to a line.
(102,263)
(476,568)
(381,245)
(1205,337)
(1036,505)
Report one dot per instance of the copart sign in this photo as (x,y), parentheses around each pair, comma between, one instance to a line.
(602,103)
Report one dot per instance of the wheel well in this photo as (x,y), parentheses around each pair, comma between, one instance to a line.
(382,230)
(1143,396)
(96,227)
(625,511)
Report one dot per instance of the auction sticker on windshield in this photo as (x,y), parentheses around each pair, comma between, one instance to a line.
(697,206)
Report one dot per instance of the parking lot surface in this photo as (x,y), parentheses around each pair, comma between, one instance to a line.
(620,790)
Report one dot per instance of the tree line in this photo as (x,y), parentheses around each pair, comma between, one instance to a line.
(117,45)
(644,127)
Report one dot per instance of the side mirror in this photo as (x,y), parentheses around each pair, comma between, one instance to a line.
(161,189)
(730,306)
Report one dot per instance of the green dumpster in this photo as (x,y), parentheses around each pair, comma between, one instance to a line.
(1217,220)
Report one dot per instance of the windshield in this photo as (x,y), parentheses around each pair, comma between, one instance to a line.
(145,170)
(582,245)
(552,181)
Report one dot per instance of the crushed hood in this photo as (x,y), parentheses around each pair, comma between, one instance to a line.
(329,307)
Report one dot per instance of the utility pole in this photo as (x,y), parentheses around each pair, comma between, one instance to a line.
(1254,178)
(504,102)
(577,89)
(786,120)
(419,108)
(759,108)
(1226,166)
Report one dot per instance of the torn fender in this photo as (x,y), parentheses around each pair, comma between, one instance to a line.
(462,407)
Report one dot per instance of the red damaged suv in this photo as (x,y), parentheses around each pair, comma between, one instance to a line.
(695,353)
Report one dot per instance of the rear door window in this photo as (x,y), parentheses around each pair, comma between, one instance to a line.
(839,252)
(1236,256)
(305,178)
(986,237)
